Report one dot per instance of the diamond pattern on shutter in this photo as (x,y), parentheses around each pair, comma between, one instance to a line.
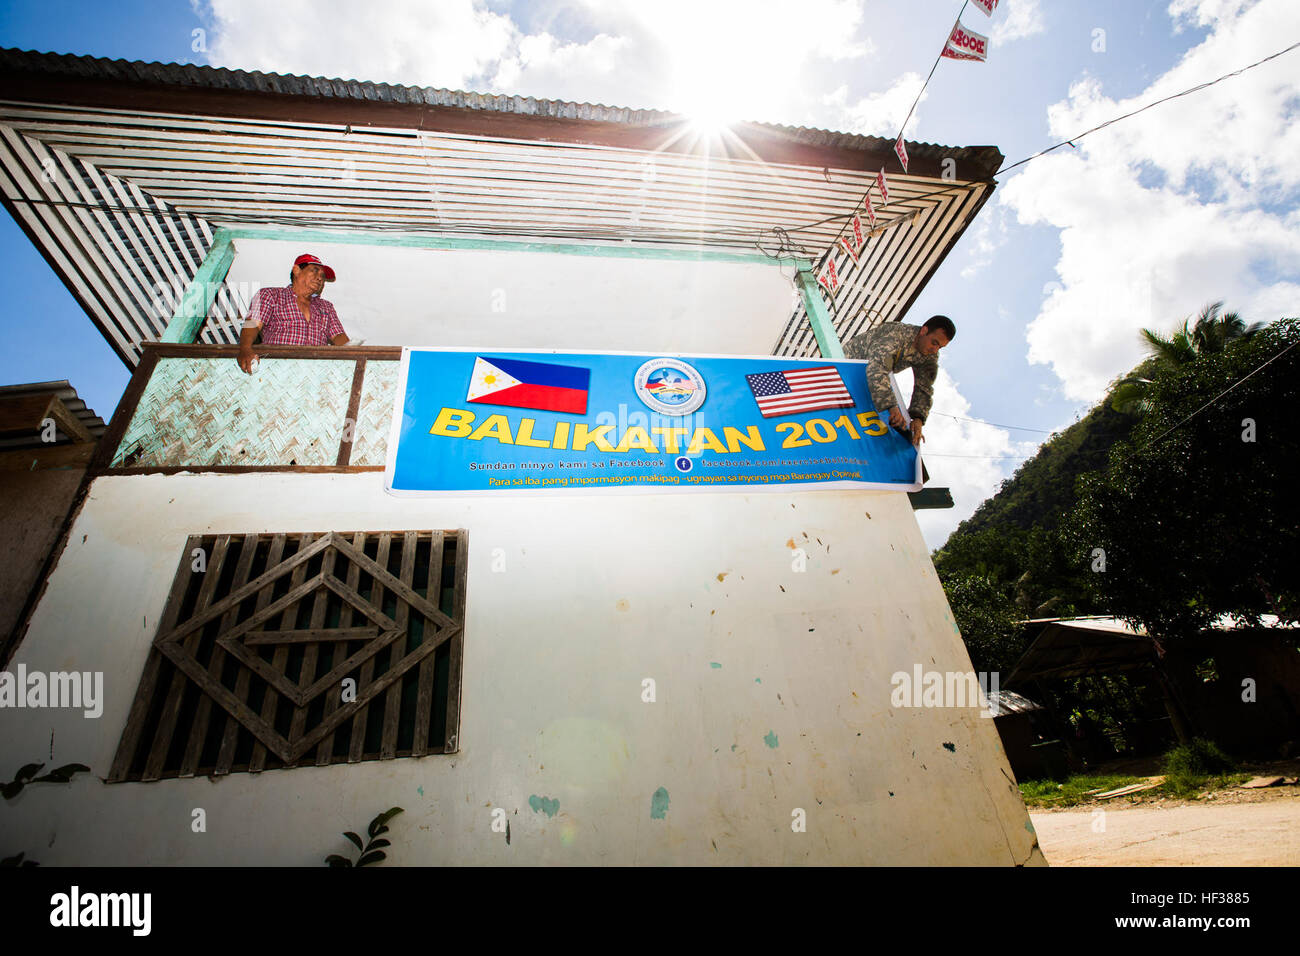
(349,645)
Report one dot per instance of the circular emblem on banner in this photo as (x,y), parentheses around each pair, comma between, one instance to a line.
(684,464)
(670,386)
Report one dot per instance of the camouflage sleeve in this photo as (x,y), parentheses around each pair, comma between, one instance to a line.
(923,375)
(878,348)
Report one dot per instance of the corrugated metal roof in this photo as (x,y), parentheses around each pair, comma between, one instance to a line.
(986,158)
(122,196)
(67,395)
(1003,702)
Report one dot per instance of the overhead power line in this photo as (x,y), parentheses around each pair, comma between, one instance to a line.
(1065,142)
(1143,109)
(1221,394)
(977,421)
(995,457)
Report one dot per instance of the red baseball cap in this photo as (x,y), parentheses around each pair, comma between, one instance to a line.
(308,259)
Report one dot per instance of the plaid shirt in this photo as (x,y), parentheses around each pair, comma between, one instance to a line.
(277,312)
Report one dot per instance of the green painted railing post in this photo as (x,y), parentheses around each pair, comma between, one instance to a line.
(194,305)
(823,328)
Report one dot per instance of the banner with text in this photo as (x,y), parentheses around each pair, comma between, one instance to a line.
(484,421)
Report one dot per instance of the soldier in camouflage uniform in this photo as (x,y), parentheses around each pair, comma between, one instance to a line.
(893,347)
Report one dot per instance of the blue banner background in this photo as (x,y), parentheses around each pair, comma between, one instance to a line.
(433,380)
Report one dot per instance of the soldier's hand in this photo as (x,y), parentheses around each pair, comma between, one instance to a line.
(896,417)
(917,437)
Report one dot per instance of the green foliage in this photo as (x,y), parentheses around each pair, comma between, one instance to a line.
(1074,790)
(987,620)
(1212,332)
(1198,758)
(1195,521)
(1083,789)
(371,852)
(1196,766)
(1042,490)
(27,774)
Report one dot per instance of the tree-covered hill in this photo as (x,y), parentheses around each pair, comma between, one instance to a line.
(1042,489)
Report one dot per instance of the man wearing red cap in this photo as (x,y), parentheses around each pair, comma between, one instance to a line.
(294,314)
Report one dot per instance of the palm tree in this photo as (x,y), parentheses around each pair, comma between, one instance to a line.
(1213,331)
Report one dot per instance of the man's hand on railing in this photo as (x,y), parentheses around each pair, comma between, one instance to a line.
(247,335)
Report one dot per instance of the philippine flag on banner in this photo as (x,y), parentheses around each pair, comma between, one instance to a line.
(520,384)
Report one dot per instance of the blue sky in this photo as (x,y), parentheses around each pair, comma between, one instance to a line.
(1142,224)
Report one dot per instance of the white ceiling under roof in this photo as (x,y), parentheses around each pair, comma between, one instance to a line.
(124,201)
(468,298)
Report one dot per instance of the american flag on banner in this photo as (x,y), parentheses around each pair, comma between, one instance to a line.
(828,277)
(871,211)
(799,390)
(882,186)
(849,248)
(988,6)
(857,228)
(900,150)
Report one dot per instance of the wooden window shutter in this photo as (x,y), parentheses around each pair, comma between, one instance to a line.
(287,650)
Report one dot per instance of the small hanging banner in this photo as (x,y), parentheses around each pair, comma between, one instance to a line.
(857,226)
(988,6)
(829,279)
(884,189)
(848,247)
(964,44)
(901,151)
(871,212)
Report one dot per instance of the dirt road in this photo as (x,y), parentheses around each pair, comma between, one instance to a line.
(1229,834)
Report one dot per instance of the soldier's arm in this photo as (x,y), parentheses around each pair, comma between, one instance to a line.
(878,352)
(923,376)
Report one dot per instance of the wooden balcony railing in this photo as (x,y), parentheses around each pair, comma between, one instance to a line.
(191,408)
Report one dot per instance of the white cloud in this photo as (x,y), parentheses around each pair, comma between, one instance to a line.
(1203,12)
(989,234)
(1016,19)
(726,59)
(1190,203)
(543,66)
(877,114)
(447,44)
(969,458)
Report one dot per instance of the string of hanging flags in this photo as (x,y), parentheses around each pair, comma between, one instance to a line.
(962,44)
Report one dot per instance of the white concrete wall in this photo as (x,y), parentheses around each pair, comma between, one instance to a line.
(472,298)
(597,594)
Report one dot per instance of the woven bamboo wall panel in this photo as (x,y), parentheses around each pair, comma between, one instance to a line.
(375,413)
(205,411)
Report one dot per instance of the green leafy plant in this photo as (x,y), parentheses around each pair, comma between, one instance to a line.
(1197,759)
(371,852)
(28,773)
